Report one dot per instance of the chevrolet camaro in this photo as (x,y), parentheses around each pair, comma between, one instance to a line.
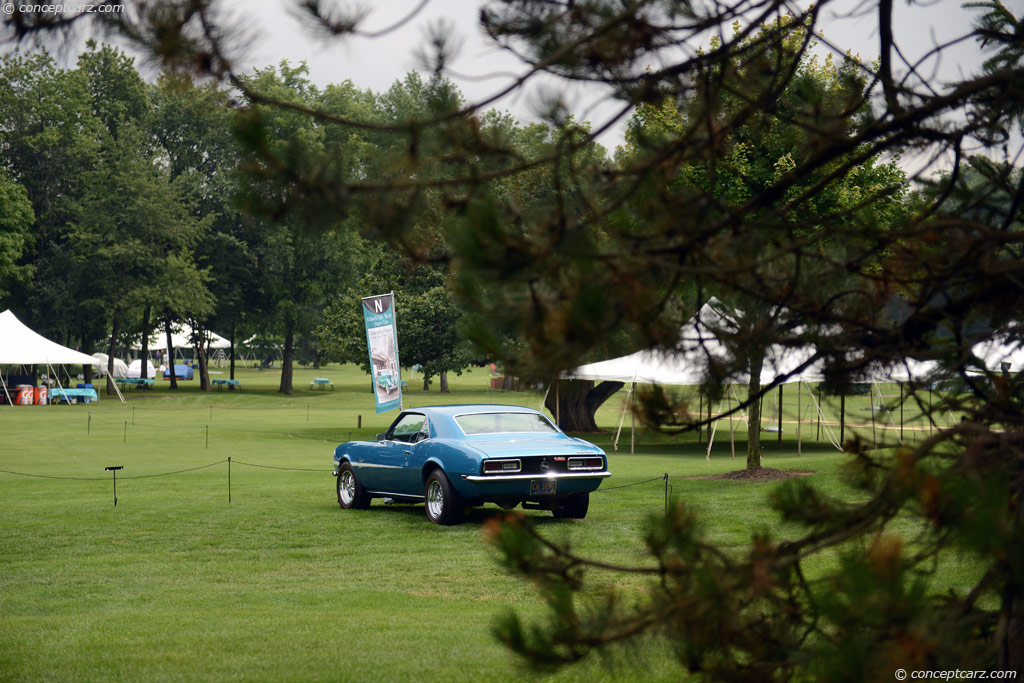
(454,457)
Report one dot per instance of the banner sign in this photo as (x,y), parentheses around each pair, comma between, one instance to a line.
(382,340)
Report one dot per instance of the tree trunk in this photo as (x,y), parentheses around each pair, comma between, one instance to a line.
(110,353)
(199,346)
(316,360)
(444,382)
(578,402)
(286,363)
(754,410)
(426,382)
(232,350)
(144,358)
(87,349)
(170,353)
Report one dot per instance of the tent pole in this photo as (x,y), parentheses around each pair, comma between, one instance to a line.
(56,379)
(712,431)
(817,434)
(711,435)
(871,407)
(632,421)
(622,418)
(4,384)
(780,418)
(732,432)
(931,421)
(799,417)
(700,412)
(842,419)
(901,412)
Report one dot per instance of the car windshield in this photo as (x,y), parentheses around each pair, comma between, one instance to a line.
(499,423)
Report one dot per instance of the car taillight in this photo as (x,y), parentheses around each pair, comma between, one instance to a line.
(502,466)
(594,463)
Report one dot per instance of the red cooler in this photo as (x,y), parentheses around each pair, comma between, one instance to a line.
(40,396)
(24,395)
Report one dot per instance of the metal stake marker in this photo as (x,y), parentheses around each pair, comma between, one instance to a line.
(125,439)
(207,436)
(229,480)
(88,428)
(113,470)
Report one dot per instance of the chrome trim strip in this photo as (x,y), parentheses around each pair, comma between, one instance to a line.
(396,495)
(375,465)
(527,477)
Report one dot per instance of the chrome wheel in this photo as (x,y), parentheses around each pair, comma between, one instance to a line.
(346,487)
(350,492)
(443,503)
(435,500)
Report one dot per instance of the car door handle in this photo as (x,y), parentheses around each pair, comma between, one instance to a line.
(407,452)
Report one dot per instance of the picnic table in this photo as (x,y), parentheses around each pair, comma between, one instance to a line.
(321,384)
(72,395)
(136,382)
(231,384)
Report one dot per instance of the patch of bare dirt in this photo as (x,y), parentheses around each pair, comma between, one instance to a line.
(758,474)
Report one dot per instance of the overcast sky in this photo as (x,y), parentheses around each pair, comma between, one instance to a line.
(275,32)
(481,69)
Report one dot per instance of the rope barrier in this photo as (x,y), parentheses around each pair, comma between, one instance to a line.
(638,483)
(274,467)
(47,476)
(139,476)
(165,474)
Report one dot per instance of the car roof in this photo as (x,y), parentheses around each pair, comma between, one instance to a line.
(469,409)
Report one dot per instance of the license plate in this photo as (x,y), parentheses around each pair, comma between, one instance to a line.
(542,487)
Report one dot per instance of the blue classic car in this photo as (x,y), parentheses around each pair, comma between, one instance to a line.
(452,457)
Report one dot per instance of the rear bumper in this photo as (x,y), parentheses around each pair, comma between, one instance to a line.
(527,477)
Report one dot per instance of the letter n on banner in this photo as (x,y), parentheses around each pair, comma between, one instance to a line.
(382,340)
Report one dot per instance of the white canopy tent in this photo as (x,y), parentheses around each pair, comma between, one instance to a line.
(999,351)
(181,338)
(700,344)
(21,346)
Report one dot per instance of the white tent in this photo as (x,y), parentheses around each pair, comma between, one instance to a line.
(120,367)
(181,338)
(699,344)
(999,350)
(21,346)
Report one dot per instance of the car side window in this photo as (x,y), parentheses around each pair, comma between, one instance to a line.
(410,429)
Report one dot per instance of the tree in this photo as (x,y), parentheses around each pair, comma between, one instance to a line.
(305,255)
(428,320)
(48,138)
(16,218)
(192,126)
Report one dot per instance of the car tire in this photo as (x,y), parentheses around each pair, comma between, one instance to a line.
(351,494)
(573,507)
(443,503)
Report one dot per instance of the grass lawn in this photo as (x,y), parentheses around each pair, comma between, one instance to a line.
(176,583)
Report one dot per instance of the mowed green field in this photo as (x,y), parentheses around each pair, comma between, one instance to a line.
(176,583)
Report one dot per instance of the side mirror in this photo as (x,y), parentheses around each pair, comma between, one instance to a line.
(380,437)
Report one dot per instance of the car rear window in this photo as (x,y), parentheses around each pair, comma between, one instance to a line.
(503,423)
